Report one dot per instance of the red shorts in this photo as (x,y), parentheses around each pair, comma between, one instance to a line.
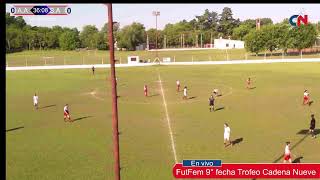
(65,114)
(306,98)
(287,157)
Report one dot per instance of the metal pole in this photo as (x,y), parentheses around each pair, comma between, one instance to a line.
(182,40)
(114,98)
(201,40)
(211,39)
(156,32)
(147,41)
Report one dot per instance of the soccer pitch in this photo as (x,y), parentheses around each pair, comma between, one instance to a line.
(40,145)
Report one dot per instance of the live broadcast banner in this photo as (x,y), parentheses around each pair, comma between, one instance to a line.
(217,169)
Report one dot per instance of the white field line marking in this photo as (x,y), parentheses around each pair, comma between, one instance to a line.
(168,120)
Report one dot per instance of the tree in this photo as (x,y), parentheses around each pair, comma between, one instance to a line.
(173,33)
(103,41)
(152,34)
(303,36)
(14,38)
(14,34)
(207,21)
(285,40)
(89,37)
(130,36)
(68,40)
(254,41)
(241,31)
(227,23)
(249,22)
(265,21)
(270,37)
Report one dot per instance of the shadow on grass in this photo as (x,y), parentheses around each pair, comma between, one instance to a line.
(252,87)
(154,95)
(47,106)
(193,97)
(80,118)
(220,108)
(310,103)
(237,141)
(306,131)
(297,160)
(13,129)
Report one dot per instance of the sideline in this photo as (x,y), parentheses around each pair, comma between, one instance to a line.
(165,63)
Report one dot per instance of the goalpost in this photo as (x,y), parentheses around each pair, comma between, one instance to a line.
(49,60)
(156,60)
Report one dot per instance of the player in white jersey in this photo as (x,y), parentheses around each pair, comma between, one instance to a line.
(215,91)
(185,94)
(226,135)
(66,113)
(35,100)
(178,85)
(287,153)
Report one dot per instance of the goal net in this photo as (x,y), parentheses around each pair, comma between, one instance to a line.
(48,60)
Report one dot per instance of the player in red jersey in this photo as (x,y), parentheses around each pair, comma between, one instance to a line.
(306,97)
(145,88)
(287,153)
(248,83)
(66,113)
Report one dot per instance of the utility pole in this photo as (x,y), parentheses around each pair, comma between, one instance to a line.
(147,41)
(114,98)
(183,40)
(201,40)
(211,39)
(197,41)
(156,13)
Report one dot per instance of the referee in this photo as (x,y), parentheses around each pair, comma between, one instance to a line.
(312,126)
(211,103)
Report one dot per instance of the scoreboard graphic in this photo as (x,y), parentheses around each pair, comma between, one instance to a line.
(31,10)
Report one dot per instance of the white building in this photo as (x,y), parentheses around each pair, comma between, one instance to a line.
(228,44)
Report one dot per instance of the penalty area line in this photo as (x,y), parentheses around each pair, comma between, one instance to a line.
(168,119)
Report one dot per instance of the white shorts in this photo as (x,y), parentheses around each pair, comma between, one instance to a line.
(35,103)
(185,94)
(226,137)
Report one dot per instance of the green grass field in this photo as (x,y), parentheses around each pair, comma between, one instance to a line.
(35,58)
(40,145)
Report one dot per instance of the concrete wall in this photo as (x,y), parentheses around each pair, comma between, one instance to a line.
(228,44)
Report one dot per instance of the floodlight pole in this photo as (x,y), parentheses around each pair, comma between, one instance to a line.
(156,13)
(114,97)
